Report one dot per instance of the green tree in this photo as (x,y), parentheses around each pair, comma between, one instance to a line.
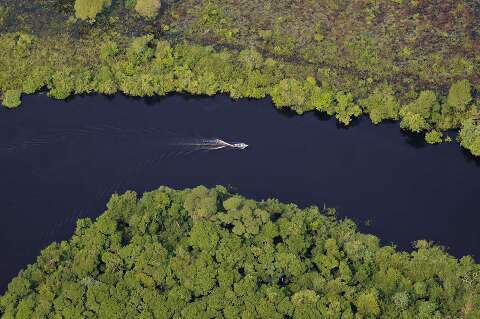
(204,236)
(139,50)
(454,111)
(346,108)
(62,84)
(89,9)
(433,137)
(381,105)
(289,92)
(130,4)
(325,101)
(459,96)
(148,8)
(414,122)
(416,115)
(401,300)
(108,50)
(367,304)
(201,203)
(37,79)
(470,136)
(11,98)
(3,14)
(105,82)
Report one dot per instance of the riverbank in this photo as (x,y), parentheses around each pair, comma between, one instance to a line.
(119,143)
(165,55)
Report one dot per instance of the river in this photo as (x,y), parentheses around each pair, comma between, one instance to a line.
(61,160)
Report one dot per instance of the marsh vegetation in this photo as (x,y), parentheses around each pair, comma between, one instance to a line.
(345,62)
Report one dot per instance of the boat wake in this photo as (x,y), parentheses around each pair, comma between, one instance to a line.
(169,142)
(211,144)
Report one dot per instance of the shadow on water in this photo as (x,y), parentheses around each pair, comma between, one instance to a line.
(62,160)
(469,158)
(414,139)
(287,112)
(322,116)
(109,97)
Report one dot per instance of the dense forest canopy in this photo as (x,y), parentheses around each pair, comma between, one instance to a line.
(412,61)
(207,253)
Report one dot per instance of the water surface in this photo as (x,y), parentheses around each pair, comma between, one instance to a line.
(62,160)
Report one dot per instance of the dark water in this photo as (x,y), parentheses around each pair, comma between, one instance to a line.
(62,160)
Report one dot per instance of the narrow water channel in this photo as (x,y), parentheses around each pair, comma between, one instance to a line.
(61,160)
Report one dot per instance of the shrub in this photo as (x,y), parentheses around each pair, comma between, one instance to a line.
(470,137)
(89,9)
(148,8)
(433,137)
(11,98)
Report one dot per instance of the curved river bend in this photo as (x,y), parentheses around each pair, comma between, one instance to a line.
(62,160)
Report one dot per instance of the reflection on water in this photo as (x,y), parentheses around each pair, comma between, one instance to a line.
(60,161)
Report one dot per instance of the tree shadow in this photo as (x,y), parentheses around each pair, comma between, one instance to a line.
(187,97)
(148,100)
(109,98)
(469,157)
(414,139)
(322,116)
(152,100)
(287,112)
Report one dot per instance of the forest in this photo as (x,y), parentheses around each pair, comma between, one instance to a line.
(208,253)
(342,58)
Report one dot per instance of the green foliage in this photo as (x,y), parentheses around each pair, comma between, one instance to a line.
(346,108)
(89,9)
(456,107)
(423,105)
(139,51)
(470,136)
(3,14)
(415,115)
(205,253)
(11,98)
(213,19)
(381,105)
(282,44)
(413,122)
(130,4)
(325,102)
(61,85)
(459,96)
(367,305)
(306,96)
(288,92)
(201,203)
(37,79)
(109,50)
(433,137)
(148,8)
